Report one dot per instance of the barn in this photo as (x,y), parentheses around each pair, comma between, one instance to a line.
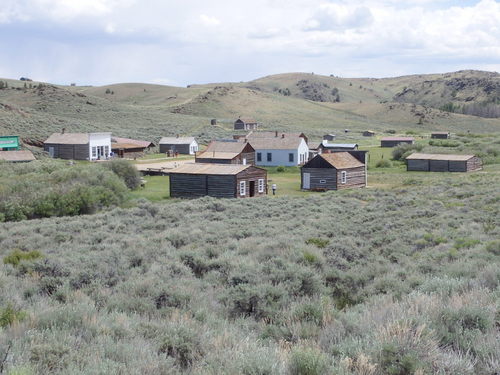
(245,123)
(394,141)
(334,171)
(227,152)
(182,145)
(126,147)
(440,135)
(221,181)
(78,146)
(443,163)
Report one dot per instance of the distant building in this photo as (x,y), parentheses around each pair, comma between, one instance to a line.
(394,141)
(216,180)
(126,147)
(17,156)
(335,147)
(182,145)
(274,134)
(78,146)
(9,142)
(329,137)
(334,171)
(245,123)
(440,135)
(280,151)
(368,133)
(443,163)
(227,152)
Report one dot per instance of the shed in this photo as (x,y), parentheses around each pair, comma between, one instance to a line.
(182,145)
(329,137)
(9,142)
(368,133)
(333,147)
(394,141)
(440,135)
(129,147)
(245,123)
(443,163)
(227,152)
(17,156)
(334,171)
(221,181)
(78,146)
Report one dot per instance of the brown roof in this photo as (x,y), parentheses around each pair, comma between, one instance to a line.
(217,169)
(247,120)
(276,143)
(17,155)
(116,146)
(68,138)
(341,160)
(217,155)
(128,141)
(230,146)
(418,156)
(398,139)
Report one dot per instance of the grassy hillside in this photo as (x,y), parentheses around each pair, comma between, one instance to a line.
(296,101)
(371,281)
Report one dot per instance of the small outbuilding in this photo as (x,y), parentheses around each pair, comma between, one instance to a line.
(443,163)
(9,142)
(245,123)
(335,147)
(440,135)
(221,181)
(394,141)
(126,147)
(227,152)
(368,133)
(329,137)
(17,156)
(182,145)
(78,146)
(334,171)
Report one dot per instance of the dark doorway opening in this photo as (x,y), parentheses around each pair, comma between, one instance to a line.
(252,188)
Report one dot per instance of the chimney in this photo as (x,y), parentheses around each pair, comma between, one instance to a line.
(63,130)
(276,133)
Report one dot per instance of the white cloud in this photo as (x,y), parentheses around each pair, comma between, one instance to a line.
(209,21)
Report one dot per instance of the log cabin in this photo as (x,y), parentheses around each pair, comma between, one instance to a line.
(395,141)
(442,163)
(227,152)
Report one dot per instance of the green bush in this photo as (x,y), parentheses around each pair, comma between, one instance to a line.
(307,361)
(383,163)
(401,151)
(126,171)
(183,344)
(9,315)
(318,242)
(17,255)
(397,361)
(280,169)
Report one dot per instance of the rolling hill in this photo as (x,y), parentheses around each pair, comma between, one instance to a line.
(294,101)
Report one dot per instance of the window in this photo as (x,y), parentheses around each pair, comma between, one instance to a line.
(269,156)
(261,185)
(322,181)
(290,157)
(94,152)
(244,161)
(259,156)
(243,188)
(343,177)
(106,151)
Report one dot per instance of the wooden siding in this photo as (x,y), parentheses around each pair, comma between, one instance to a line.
(181,149)
(355,178)
(440,135)
(418,165)
(438,165)
(426,165)
(75,152)
(221,186)
(474,164)
(251,174)
(188,185)
(318,174)
(217,161)
(457,166)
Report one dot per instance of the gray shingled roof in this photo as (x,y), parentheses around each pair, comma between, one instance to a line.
(68,138)
(276,143)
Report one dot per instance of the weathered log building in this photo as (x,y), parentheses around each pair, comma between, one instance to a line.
(443,163)
(222,181)
(334,171)
(227,152)
(394,141)
(440,135)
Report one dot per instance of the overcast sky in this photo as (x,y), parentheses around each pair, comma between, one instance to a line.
(178,42)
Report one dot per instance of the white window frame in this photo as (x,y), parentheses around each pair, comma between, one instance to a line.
(106,151)
(322,181)
(94,152)
(343,177)
(243,188)
(261,185)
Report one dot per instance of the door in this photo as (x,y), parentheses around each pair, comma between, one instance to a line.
(306,181)
(51,152)
(252,188)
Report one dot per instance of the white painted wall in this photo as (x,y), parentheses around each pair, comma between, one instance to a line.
(281,157)
(193,147)
(102,141)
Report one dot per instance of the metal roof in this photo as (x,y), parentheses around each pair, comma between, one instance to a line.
(68,138)
(216,169)
(20,155)
(443,157)
(341,160)
(338,145)
(176,140)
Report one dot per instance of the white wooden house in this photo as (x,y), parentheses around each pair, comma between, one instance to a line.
(277,151)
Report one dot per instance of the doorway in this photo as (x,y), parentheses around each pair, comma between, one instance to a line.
(252,188)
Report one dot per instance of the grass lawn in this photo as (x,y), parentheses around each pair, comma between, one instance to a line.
(156,189)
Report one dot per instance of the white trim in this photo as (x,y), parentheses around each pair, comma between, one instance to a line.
(343,177)
(261,185)
(243,188)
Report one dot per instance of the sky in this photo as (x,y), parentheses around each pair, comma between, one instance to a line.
(181,42)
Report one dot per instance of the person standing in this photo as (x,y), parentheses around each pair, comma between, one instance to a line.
(274,189)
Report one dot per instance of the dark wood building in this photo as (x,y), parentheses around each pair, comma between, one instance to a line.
(442,163)
(221,181)
(440,135)
(368,133)
(182,145)
(394,141)
(126,147)
(334,171)
(245,123)
(227,152)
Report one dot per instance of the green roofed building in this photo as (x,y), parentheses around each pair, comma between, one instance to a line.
(10,142)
